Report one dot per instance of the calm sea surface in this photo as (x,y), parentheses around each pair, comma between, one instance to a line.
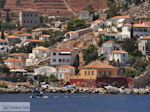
(83,102)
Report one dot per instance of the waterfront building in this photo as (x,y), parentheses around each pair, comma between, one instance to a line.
(64,56)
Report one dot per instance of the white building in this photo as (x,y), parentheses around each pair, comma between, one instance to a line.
(106,48)
(4,46)
(14,61)
(126,31)
(45,70)
(141,30)
(71,35)
(29,18)
(119,56)
(86,15)
(38,32)
(25,36)
(95,25)
(37,54)
(44,37)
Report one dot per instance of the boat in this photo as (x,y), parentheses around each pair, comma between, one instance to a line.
(36,96)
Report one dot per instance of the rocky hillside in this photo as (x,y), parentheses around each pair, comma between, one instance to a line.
(51,7)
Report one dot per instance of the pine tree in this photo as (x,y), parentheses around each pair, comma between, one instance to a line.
(2,34)
(7,17)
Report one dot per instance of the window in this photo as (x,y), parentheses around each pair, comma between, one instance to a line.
(85,72)
(24,15)
(63,60)
(30,14)
(104,73)
(31,21)
(92,72)
(67,60)
(143,48)
(59,60)
(100,73)
(54,53)
(109,73)
(60,75)
(24,21)
(88,72)
(54,60)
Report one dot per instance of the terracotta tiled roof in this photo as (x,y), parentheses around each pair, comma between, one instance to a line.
(119,17)
(45,36)
(64,49)
(98,64)
(14,67)
(96,21)
(37,40)
(26,34)
(109,41)
(39,29)
(2,40)
(30,9)
(127,24)
(84,11)
(13,60)
(40,48)
(118,52)
(18,54)
(71,32)
(145,37)
(65,66)
(140,25)
(12,36)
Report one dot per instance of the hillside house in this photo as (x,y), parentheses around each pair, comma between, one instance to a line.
(141,30)
(86,15)
(95,25)
(4,46)
(38,32)
(25,36)
(64,56)
(126,31)
(34,42)
(13,40)
(14,62)
(37,54)
(44,37)
(71,35)
(144,45)
(119,56)
(29,18)
(106,48)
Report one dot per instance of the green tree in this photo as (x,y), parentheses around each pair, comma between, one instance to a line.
(2,3)
(7,16)
(41,78)
(89,54)
(2,34)
(52,78)
(76,24)
(4,69)
(129,73)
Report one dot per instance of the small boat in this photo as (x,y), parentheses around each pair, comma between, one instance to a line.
(37,96)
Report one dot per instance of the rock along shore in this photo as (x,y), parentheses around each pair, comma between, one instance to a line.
(106,90)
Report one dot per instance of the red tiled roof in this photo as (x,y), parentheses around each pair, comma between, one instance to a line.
(37,40)
(118,52)
(109,41)
(13,60)
(127,24)
(98,21)
(145,37)
(140,25)
(40,48)
(18,54)
(45,36)
(119,17)
(26,34)
(64,49)
(12,36)
(14,67)
(71,32)
(98,64)
(65,66)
